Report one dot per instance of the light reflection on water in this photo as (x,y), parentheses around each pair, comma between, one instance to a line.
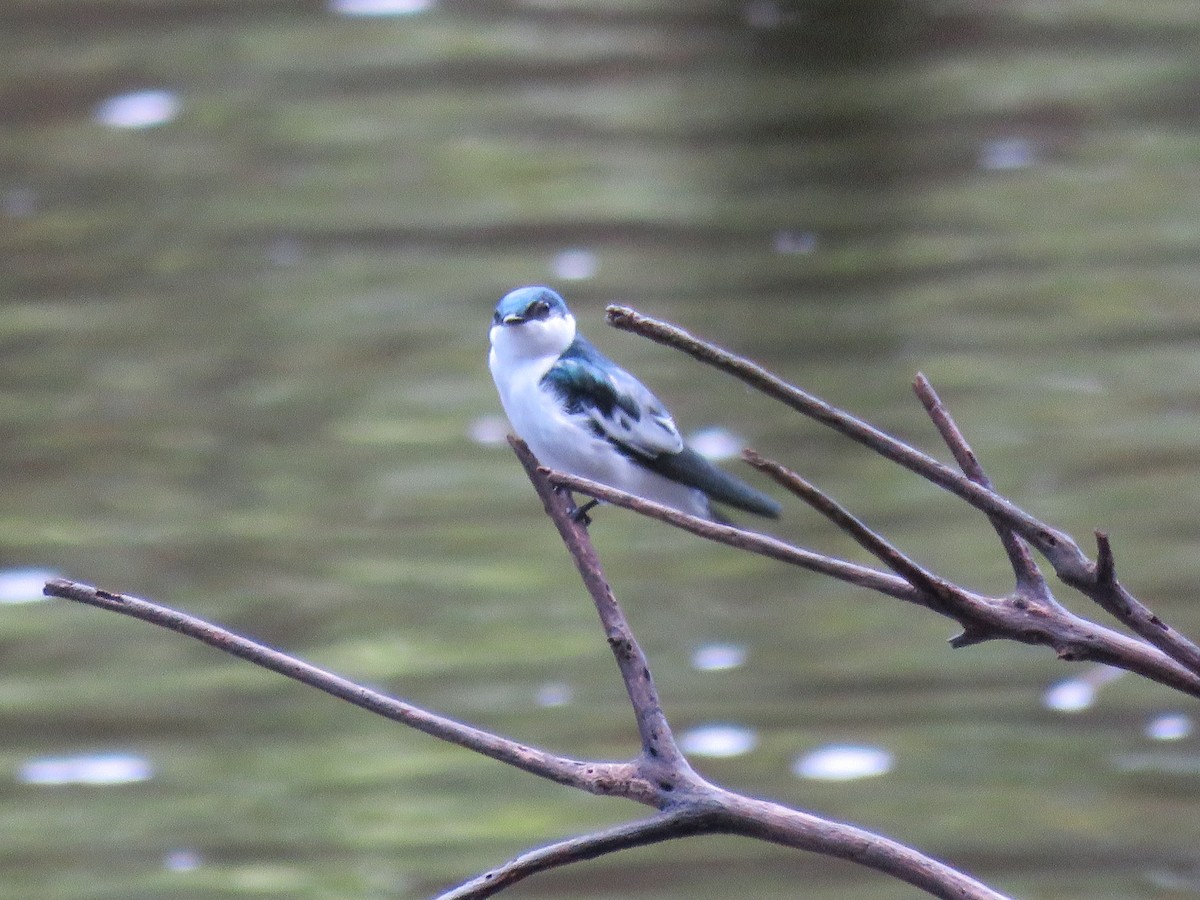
(1081,691)
(1170,727)
(94,769)
(718,657)
(140,109)
(24,585)
(843,762)
(575,265)
(379,7)
(718,740)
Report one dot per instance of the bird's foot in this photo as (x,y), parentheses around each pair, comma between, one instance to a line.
(580,514)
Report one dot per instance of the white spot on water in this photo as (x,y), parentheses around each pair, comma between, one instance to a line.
(1004,154)
(24,585)
(716,443)
(1071,695)
(359,8)
(719,740)
(96,768)
(555,693)
(139,109)
(792,242)
(718,657)
(182,861)
(1079,693)
(842,762)
(1169,727)
(574,265)
(489,431)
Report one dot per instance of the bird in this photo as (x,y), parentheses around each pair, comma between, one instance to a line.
(581,413)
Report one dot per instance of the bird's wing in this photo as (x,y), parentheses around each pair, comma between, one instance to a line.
(616,405)
(619,408)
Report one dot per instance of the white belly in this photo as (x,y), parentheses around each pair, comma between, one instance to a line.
(564,442)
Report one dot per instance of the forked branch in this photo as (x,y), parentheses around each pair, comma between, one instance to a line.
(1030,614)
(659,775)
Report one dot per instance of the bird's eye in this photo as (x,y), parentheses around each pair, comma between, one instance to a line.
(496,317)
(538,309)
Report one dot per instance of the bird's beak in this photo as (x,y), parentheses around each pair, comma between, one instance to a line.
(513,320)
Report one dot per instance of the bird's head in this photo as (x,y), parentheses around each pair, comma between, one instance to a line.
(532,321)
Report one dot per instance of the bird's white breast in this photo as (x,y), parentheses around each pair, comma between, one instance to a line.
(533,409)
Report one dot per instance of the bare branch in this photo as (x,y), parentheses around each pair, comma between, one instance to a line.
(1125,607)
(657,741)
(663,827)
(1064,554)
(739,538)
(791,828)
(715,810)
(1028,575)
(1106,564)
(936,590)
(1070,563)
(1018,618)
(612,779)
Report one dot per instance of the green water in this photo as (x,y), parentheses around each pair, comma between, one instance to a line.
(242,355)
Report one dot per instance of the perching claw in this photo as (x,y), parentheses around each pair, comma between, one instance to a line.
(580,514)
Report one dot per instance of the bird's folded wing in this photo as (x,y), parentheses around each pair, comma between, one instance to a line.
(615,404)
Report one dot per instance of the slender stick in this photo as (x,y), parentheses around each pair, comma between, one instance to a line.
(739,538)
(657,741)
(937,591)
(1028,575)
(1063,553)
(596,778)
(791,828)
(662,827)
(1070,563)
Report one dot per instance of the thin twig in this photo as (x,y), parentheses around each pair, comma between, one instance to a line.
(1058,547)
(662,827)
(739,538)
(1025,570)
(597,778)
(790,828)
(939,593)
(1069,561)
(1125,607)
(658,743)
(719,811)
(1071,637)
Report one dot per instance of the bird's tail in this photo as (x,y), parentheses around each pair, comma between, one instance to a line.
(692,469)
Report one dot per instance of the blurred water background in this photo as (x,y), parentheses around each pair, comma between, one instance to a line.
(249,254)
